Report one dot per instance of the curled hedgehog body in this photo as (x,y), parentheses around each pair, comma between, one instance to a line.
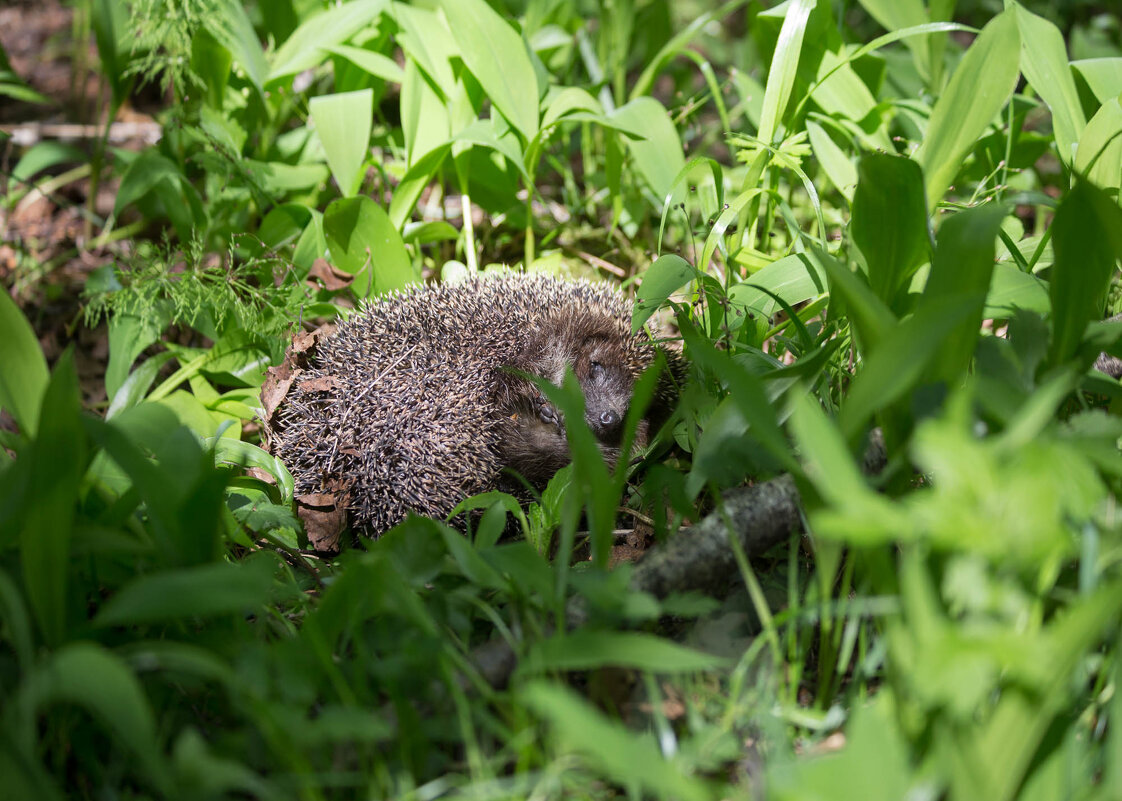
(418,400)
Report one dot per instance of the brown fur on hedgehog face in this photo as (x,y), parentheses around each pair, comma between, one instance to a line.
(603,357)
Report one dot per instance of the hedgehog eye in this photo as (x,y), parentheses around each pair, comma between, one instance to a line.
(596,370)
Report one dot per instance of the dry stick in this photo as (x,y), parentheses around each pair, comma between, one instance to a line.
(698,558)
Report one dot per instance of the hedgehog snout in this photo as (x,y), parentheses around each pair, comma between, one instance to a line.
(609,419)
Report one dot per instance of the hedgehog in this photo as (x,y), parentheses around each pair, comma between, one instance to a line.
(423,398)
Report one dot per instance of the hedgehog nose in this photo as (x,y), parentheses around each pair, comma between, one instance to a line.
(609,420)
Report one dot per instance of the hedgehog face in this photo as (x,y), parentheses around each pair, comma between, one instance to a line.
(591,347)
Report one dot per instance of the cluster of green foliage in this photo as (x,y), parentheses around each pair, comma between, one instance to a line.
(913,225)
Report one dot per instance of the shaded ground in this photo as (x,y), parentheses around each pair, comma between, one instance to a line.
(48,226)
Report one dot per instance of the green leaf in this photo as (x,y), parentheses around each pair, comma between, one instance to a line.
(663,278)
(56,462)
(1044,62)
(107,18)
(1011,289)
(839,169)
(793,278)
(583,650)
(428,45)
(961,270)
(376,64)
(872,319)
(826,460)
(363,242)
(44,155)
(425,120)
(1099,154)
(622,755)
(1103,76)
(23,370)
(88,675)
(874,744)
(246,454)
(889,222)
(658,157)
(203,591)
(979,88)
(497,57)
(1013,734)
(232,27)
(1087,239)
(895,15)
(307,46)
(343,123)
(784,67)
(898,362)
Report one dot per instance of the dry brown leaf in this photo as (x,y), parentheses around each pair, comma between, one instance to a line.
(329,276)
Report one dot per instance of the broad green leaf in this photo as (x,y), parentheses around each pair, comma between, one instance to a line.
(246,454)
(658,157)
(212,63)
(868,313)
(979,88)
(497,57)
(136,386)
(894,15)
(746,390)
(232,27)
(784,67)
(56,463)
(899,362)
(1087,240)
(425,233)
(826,461)
(108,19)
(89,676)
(584,650)
(414,181)
(1012,289)
(961,269)
(278,178)
(376,64)
(496,136)
(889,222)
(1044,62)
(17,622)
(570,100)
(143,175)
(840,92)
(363,242)
(839,169)
(624,756)
(1012,736)
(283,225)
(1099,154)
(424,118)
(204,591)
(874,762)
(794,278)
(23,370)
(311,245)
(343,123)
(44,155)
(663,278)
(428,44)
(307,46)
(1103,76)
